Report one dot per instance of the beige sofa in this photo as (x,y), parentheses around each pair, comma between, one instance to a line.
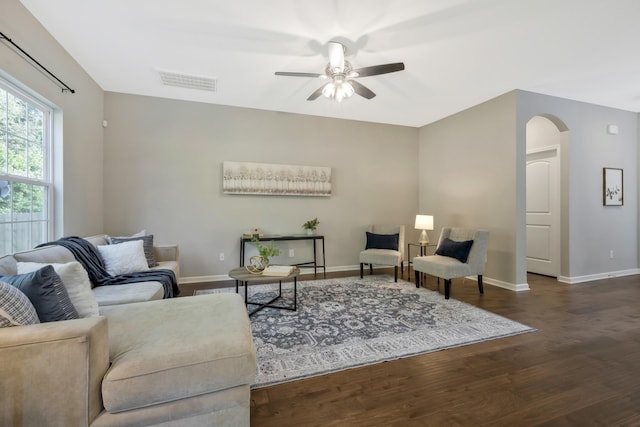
(167,257)
(180,361)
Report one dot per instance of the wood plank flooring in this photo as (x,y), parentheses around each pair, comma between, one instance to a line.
(581,368)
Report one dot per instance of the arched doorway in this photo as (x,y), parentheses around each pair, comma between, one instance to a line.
(546,141)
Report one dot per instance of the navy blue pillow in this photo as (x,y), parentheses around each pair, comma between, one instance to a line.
(382,241)
(457,250)
(47,293)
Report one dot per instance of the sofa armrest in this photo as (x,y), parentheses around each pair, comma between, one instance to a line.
(166,252)
(52,372)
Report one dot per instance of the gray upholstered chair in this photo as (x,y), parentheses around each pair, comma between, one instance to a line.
(381,248)
(461,252)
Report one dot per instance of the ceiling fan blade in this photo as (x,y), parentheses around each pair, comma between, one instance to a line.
(361,89)
(375,70)
(315,95)
(336,56)
(294,74)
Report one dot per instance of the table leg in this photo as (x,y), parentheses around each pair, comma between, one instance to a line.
(324,261)
(315,260)
(295,293)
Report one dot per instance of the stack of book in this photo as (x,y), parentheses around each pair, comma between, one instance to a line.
(278,270)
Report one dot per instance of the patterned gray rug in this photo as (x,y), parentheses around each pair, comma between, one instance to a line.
(349,322)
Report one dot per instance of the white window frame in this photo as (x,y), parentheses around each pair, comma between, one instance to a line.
(47,173)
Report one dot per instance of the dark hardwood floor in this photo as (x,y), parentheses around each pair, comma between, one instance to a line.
(581,368)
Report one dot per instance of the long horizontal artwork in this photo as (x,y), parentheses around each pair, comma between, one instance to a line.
(275,179)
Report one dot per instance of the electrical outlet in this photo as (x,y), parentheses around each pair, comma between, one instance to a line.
(221,256)
(611,254)
(291,253)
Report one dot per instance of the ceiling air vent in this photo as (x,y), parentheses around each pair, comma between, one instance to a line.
(188,81)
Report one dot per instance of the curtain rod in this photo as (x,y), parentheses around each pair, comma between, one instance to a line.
(64,86)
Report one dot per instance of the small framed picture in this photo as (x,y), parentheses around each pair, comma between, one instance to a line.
(612,187)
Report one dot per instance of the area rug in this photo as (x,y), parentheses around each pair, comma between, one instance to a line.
(349,322)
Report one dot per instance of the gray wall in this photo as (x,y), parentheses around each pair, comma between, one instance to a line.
(472,174)
(78,144)
(594,230)
(467,170)
(163,163)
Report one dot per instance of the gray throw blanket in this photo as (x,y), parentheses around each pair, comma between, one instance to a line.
(87,255)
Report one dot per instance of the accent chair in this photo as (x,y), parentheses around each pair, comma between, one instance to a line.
(384,246)
(461,252)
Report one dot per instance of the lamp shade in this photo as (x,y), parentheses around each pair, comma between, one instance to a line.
(424,222)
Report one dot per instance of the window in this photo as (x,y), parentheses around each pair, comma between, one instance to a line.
(25,178)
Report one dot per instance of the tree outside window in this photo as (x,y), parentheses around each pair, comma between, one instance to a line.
(24,170)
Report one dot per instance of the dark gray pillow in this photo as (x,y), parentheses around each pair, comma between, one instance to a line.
(457,250)
(147,245)
(382,241)
(46,292)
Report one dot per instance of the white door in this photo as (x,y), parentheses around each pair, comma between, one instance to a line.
(543,212)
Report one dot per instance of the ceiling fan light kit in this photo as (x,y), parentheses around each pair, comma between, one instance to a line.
(340,74)
(338,90)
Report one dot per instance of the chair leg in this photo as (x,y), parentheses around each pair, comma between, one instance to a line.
(395,273)
(480,286)
(402,268)
(447,288)
(361,270)
(370,269)
(417,274)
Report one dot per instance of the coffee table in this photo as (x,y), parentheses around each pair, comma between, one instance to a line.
(241,275)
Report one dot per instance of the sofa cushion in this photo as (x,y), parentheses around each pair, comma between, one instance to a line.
(15,307)
(8,265)
(380,257)
(98,240)
(158,355)
(75,280)
(124,258)
(147,245)
(128,293)
(46,292)
(168,265)
(46,254)
(441,266)
(140,233)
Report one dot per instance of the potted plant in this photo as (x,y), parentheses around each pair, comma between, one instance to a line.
(258,263)
(311,225)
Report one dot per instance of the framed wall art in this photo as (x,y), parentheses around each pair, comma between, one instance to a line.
(275,180)
(612,187)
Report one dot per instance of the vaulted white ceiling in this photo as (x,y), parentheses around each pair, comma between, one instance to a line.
(457,53)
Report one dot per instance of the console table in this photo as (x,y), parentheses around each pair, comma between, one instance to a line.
(278,238)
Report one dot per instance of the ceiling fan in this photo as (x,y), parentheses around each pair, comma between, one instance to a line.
(341,73)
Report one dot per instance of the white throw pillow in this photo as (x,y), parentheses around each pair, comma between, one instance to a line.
(124,258)
(76,281)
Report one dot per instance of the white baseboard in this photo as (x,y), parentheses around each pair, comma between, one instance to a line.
(203,279)
(506,285)
(598,276)
(486,280)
